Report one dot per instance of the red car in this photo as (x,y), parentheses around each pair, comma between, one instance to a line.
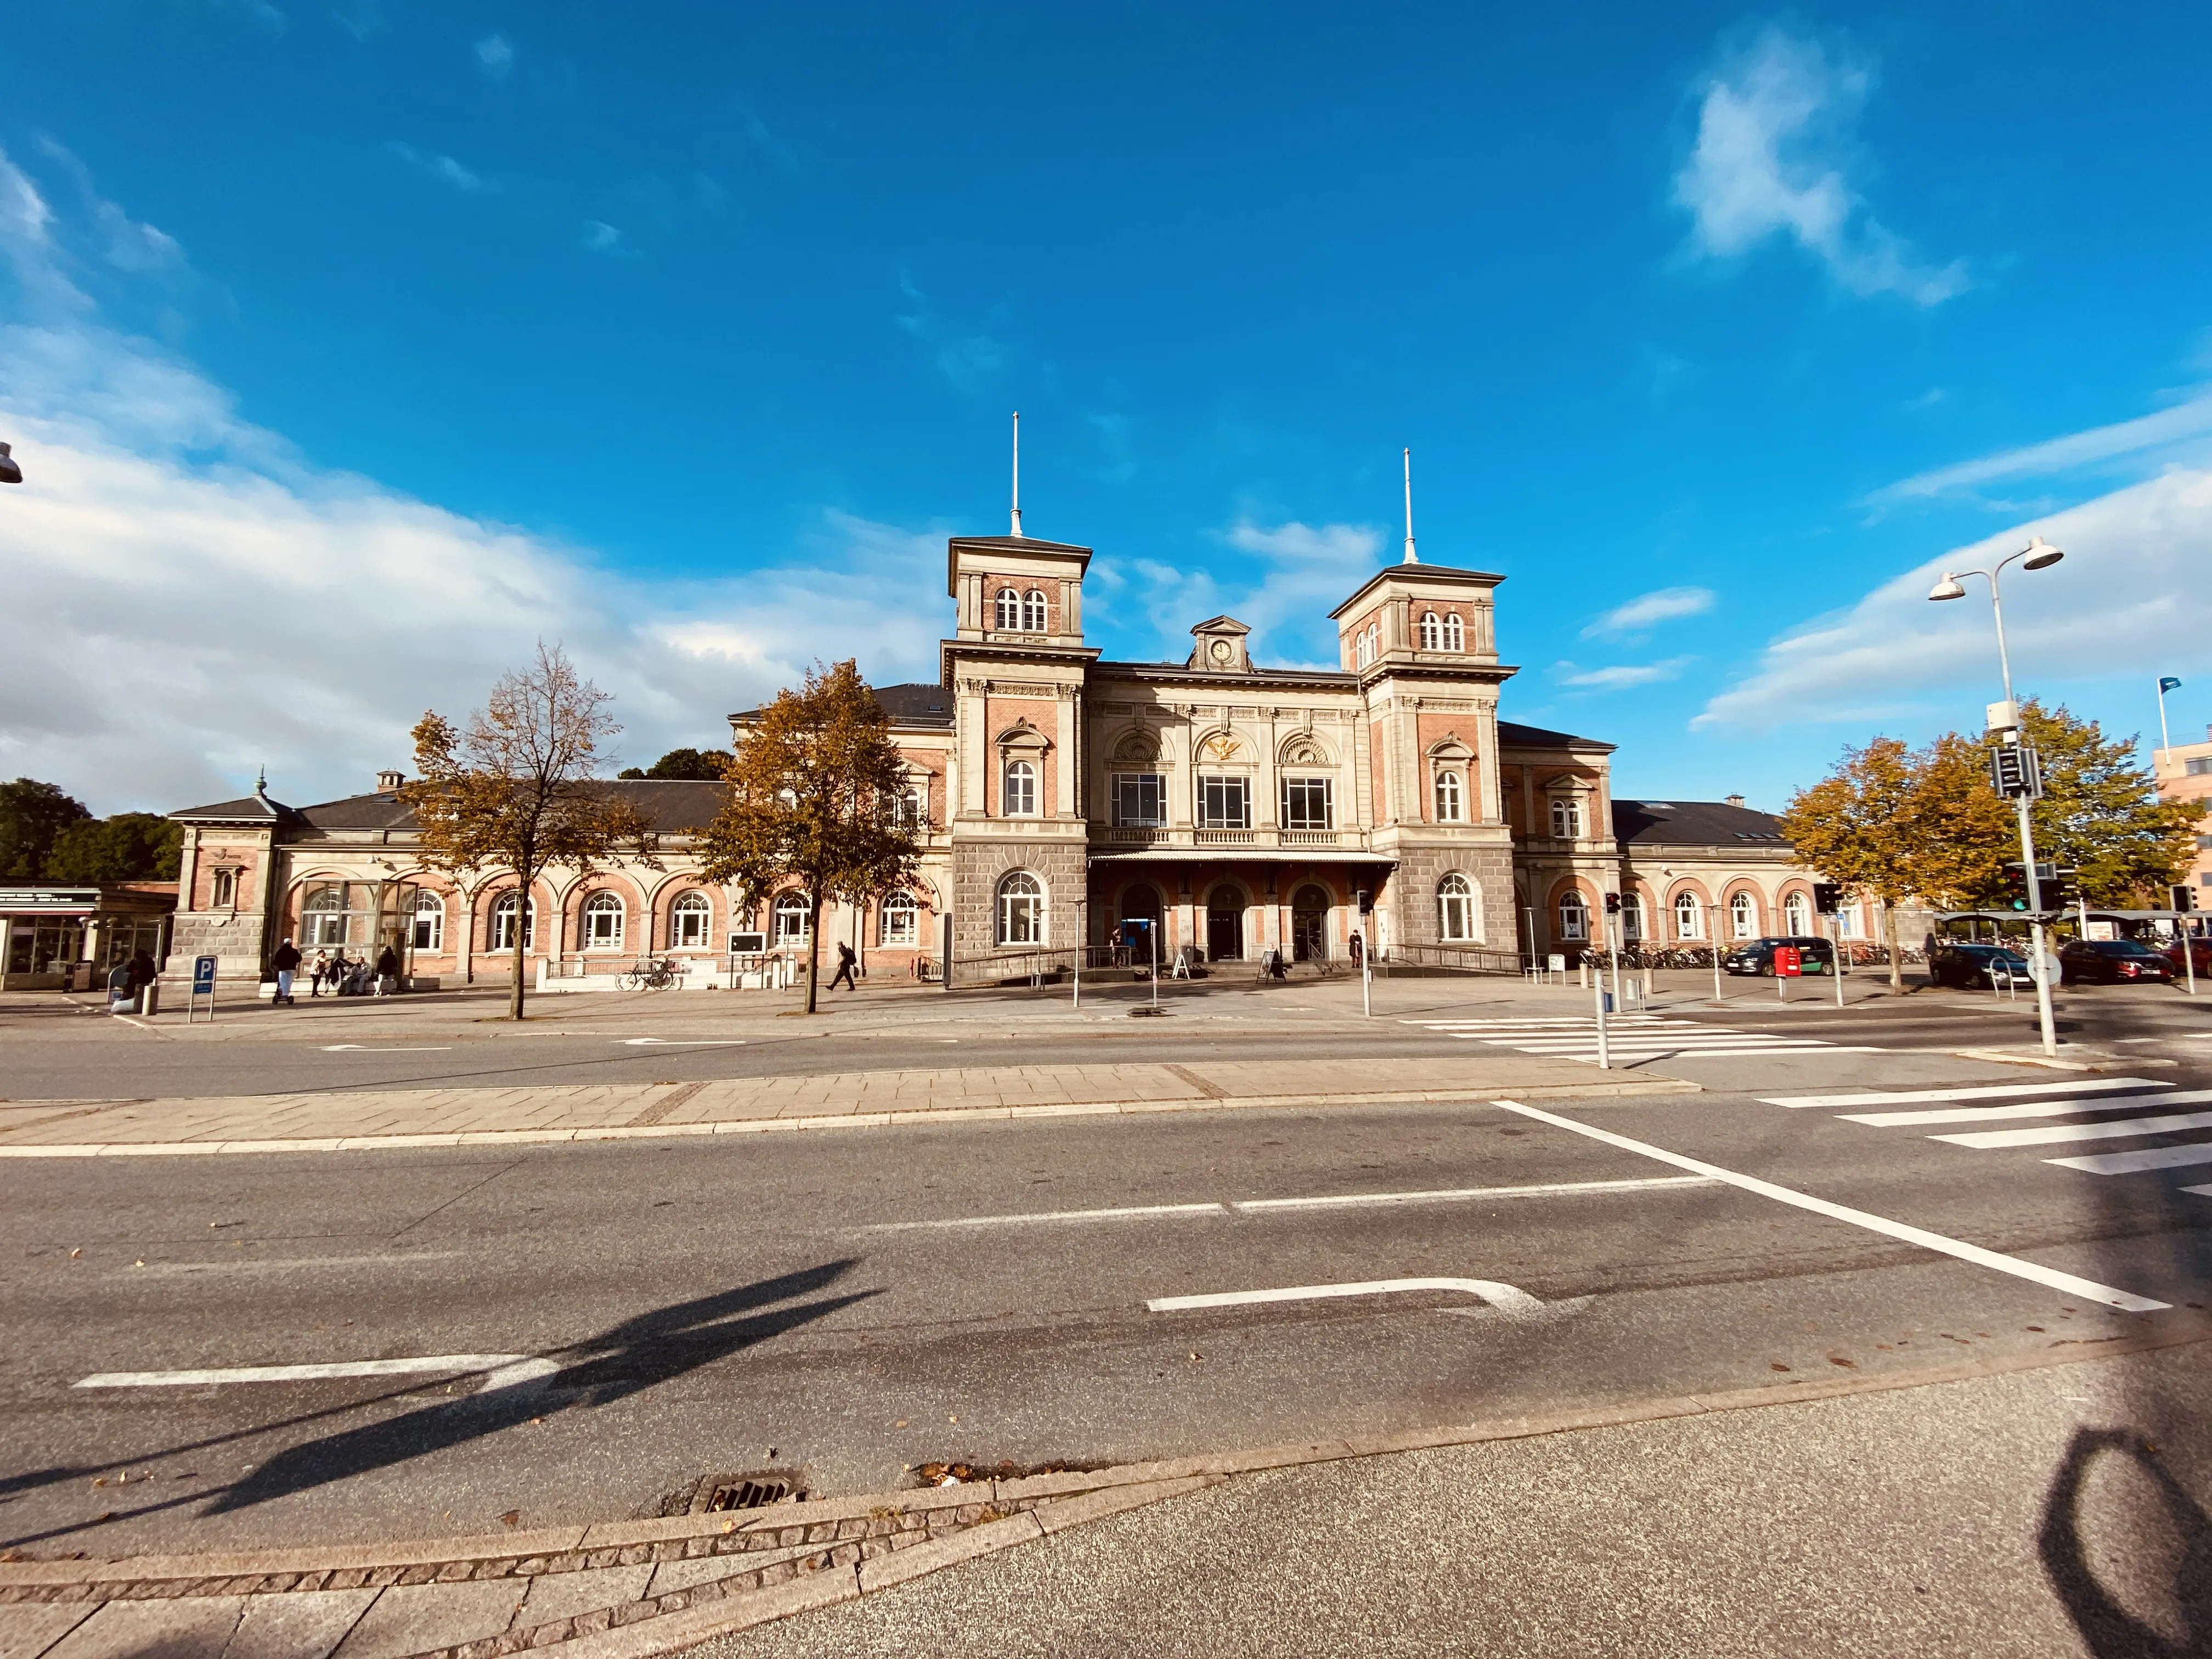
(2200,947)
(2111,962)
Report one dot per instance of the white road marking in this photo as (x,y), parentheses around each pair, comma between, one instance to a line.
(2154,1158)
(682,1043)
(2202,1191)
(506,1370)
(264,1265)
(2026,1109)
(1052,1215)
(1997,1091)
(363,1049)
(2126,1301)
(2052,1133)
(1508,1299)
(1632,1037)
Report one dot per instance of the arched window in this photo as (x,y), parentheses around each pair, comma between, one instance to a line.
(789,922)
(1574,917)
(1798,915)
(1631,917)
(1455,633)
(1433,631)
(603,922)
(503,912)
(1455,907)
(1021,910)
(322,918)
(430,921)
(688,920)
(898,921)
(1567,818)
(1017,797)
(907,809)
(1450,803)
(1010,610)
(1689,923)
(1743,917)
(1033,612)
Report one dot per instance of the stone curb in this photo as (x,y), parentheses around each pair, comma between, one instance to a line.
(1470,1095)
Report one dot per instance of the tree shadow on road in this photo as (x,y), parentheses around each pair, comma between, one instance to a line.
(623,1360)
(2108,1629)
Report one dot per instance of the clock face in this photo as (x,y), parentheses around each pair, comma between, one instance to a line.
(1223,651)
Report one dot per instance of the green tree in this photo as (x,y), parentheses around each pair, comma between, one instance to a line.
(2100,813)
(814,791)
(128,847)
(1861,827)
(32,815)
(685,765)
(514,791)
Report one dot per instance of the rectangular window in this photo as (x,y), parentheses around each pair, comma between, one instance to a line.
(224,890)
(1140,798)
(1307,803)
(2201,765)
(1225,803)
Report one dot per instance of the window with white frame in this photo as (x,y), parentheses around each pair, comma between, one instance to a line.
(1574,917)
(898,921)
(1689,917)
(1017,790)
(603,922)
(1033,612)
(322,917)
(1009,611)
(1021,910)
(1567,818)
(1797,916)
(1631,917)
(1456,915)
(688,919)
(1433,631)
(429,933)
(1743,917)
(1140,799)
(1451,798)
(1225,803)
(504,910)
(787,922)
(1455,633)
(907,808)
(222,890)
(1309,804)
(1847,921)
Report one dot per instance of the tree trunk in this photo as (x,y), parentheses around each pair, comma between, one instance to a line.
(521,944)
(813,943)
(1896,962)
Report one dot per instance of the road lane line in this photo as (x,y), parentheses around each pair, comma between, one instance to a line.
(1050,1215)
(1997,1091)
(2126,1301)
(682,1043)
(363,1049)
(1508,1299)
(1460,1194)
(2027,1109)
(2053,1133)
(499,1365)
(2154,1158)
(2202,1192)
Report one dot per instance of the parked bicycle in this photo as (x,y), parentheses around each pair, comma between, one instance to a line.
(651,974)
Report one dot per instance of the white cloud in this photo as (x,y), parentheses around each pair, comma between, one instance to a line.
(1623,676)
(444,169)
(2131,593)
(1774,131)
(2166,428)
(600,237)
(208,601)
(497,53)
(968,357)
(1642,613)
(1300,572)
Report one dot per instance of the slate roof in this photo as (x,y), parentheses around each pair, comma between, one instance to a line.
(1694,824)
(672,806)
(254,809)
(1513,735)
(917,702)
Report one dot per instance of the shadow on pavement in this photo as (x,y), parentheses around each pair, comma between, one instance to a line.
(2177,1528)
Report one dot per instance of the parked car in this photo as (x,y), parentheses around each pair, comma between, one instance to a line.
(2199,946)
(1984,967)
(2111,962)
(1815,956)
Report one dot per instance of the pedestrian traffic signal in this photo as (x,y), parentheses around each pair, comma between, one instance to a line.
(2179,897)
(1612,904)
(1365,901)
(2014,772)
(1828,897)
(2012,883)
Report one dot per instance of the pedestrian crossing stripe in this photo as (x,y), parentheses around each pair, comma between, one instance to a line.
(1998,1091)
(1628,1036)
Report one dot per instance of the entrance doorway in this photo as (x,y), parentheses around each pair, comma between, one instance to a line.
(1225,925)
(1309,924)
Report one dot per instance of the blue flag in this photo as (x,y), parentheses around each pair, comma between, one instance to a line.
(2167,683)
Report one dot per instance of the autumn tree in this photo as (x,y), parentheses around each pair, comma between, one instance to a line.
(815,788)
(513,792)
(1861,827)
(2101,815)
(682,765)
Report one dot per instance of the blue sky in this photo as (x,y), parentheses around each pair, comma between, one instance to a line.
(351,345)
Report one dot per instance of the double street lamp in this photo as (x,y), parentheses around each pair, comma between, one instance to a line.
(2038,554)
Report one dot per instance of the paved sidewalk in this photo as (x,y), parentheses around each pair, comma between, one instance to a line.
(353,1120)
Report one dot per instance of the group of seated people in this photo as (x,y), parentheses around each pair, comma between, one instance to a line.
(353,976)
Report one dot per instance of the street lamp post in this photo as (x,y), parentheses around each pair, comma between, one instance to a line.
(2038,555)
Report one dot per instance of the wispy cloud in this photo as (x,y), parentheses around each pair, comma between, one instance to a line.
(1621,676)
(444,169)
(1775,133)
(1293,573)
(600,237)
(360,18)
(495,52)
(969,357)
(1647,610)
(2147,433)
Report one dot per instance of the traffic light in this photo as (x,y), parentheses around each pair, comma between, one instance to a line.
(2060,884)
(1366,901)
(2012,885)
(1612,904)
(1828,897)
(2013,771)
(2180,897)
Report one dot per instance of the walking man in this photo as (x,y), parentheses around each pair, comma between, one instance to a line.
(286,961)
(845,961)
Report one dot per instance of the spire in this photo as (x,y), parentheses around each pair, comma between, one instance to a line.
(261,785)
(1412,557)
(1016,533)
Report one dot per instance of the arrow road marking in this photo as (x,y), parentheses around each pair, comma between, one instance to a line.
(682,1043)
(1510,1300)
(505,1371)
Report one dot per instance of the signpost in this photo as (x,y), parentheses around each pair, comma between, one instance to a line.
(203,986)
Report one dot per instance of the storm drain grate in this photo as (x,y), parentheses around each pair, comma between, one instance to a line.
(751,1493)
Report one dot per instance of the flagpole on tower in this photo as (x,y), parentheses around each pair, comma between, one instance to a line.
(1412,557)
(1016,533)
(2166,683)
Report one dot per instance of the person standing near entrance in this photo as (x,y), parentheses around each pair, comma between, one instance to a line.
(845,961)
(286,961)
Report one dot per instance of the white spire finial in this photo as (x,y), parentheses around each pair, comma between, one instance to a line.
(1016,533)
(1412,557)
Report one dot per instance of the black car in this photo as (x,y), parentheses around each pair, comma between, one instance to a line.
(1815,956)
(2111,962)
(1984,967)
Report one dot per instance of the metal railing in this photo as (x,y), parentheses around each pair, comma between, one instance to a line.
(1451,958)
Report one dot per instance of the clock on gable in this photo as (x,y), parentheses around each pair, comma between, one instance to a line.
(1220,646)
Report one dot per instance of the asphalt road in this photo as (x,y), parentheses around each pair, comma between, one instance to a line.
(845,1306)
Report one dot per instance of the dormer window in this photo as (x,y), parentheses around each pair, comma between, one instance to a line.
(1567,818)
